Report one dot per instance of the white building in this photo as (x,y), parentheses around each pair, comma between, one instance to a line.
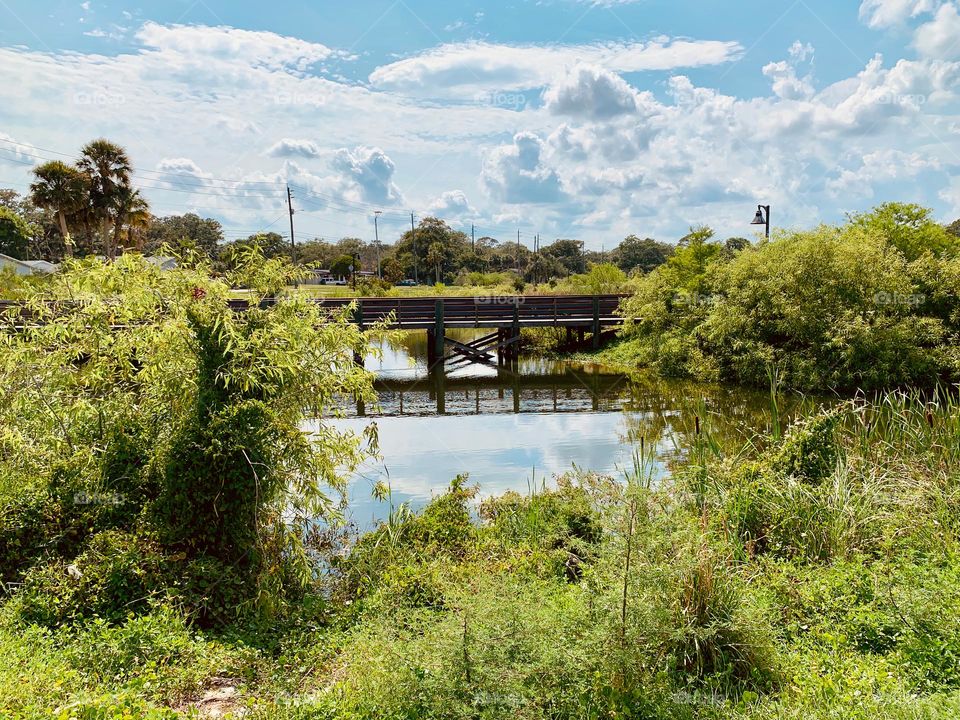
(27,267)
(163,262)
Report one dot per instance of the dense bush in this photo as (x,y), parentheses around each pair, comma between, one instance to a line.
(872,304)
(152,438)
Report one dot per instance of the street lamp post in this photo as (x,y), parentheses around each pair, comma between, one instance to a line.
(762,218)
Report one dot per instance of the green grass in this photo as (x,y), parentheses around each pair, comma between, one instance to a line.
(818,578)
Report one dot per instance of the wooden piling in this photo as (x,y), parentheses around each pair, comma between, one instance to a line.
(596,323)
(438,332)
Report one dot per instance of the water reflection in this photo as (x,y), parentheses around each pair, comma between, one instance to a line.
(518,427)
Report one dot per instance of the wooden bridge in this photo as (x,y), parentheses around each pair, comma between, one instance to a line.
(504,315)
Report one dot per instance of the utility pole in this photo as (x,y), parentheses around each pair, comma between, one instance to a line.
(536,252)
(293,244)
(376,235)
(518,251)
(473,237)
(413,231)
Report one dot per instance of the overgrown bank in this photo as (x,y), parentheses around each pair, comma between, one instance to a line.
(819,578)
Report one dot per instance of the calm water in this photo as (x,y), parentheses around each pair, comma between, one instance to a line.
(513,429)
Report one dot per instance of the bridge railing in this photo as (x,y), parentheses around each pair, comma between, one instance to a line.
(481,311)
(474,311)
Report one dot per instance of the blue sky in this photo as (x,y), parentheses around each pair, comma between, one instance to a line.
(567,118)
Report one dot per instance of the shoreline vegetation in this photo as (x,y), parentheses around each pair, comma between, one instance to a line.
(161,555)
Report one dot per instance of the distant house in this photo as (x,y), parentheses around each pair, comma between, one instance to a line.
(162,261)
(27,267)
(317,277)
(42,266)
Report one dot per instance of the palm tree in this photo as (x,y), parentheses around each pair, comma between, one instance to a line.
(435,256)
(108,167)
(131,210)
(62,189)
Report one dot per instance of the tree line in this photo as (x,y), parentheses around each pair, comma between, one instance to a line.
(92,208)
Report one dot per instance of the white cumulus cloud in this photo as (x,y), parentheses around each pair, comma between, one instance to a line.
(465,69)
(589,91)
(516,173)
(371,170)
(292,147)
(940,38)
(887,13)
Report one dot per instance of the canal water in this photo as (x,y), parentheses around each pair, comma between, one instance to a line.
(518,428)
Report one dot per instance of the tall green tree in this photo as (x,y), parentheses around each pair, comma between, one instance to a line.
(63,190)
(569,253)
(909,228)
(133,215)
(392,270)
(272,245)
(316,252)
(15,234)
(185,231)
(108,167)
(341,267)
(643,255)
(453,245)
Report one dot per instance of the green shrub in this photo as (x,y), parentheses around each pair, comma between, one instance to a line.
(713,638)
(809,451)
(146,407)
(119,573)
(868,305)
(27,521)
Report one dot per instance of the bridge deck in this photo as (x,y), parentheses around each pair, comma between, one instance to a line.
(411,313)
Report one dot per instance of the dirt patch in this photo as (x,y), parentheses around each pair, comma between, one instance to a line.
(220,699)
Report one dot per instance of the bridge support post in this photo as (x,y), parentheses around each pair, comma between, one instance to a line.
(516,392)
(438,333)
(358,319)
(515,333)
(596,323)
(436,338)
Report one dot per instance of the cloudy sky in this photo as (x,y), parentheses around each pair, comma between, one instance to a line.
(591,119)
